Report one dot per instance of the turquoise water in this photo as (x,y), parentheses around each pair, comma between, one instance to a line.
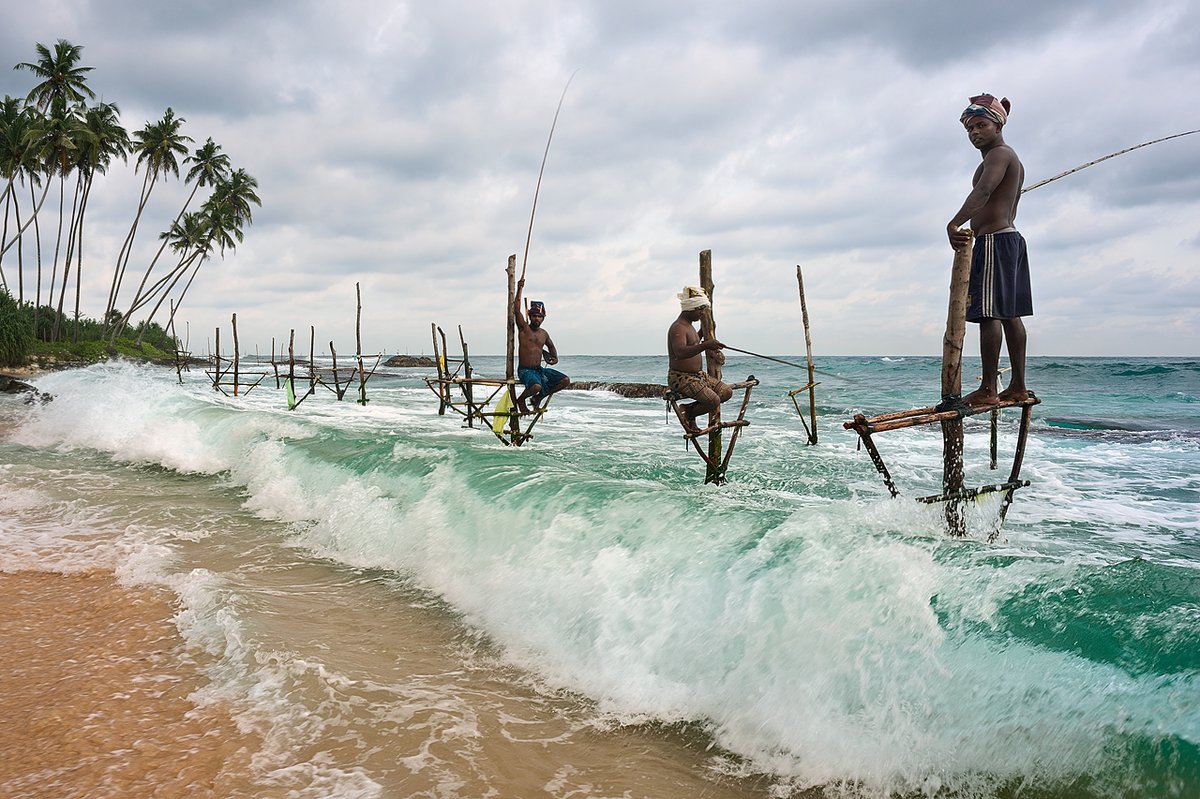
(795,628)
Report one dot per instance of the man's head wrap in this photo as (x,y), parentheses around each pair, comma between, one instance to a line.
(692,297)
(538,307)
(985,105)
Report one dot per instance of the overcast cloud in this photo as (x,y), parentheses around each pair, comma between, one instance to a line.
(397,146)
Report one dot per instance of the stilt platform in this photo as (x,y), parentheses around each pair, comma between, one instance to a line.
(952,411)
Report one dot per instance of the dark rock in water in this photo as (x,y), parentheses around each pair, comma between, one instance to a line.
(634,390)
(11,385)
(406,361)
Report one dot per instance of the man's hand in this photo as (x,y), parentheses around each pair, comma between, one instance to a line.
(959,237)
(713,344)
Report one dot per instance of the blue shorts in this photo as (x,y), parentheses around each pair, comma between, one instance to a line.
(542,376)
(999,287)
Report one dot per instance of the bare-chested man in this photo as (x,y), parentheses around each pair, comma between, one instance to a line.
(685,347)
(999,288)
(532,343)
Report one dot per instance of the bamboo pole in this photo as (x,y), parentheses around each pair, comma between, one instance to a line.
(362,373)
(217,362)
(812,386)
(467,373)
(514,423)
(708,329)
(235,356)
(952,429)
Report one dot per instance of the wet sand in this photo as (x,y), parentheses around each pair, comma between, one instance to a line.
(95,697)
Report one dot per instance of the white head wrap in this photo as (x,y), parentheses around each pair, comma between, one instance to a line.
(692,297)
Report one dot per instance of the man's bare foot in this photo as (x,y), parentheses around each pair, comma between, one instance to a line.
(981,398)
(522,407)
(1014,395)
(690,426)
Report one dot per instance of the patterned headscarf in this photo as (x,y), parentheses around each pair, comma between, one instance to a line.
(985,105)
(538,307)
(692,297)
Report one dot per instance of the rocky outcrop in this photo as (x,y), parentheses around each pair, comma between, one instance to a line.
(410,361)
(11,385)
(634,390)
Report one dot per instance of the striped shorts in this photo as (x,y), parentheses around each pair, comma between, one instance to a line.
(999,287)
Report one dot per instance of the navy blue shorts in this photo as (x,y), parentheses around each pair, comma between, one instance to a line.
(544,376)
(999,287)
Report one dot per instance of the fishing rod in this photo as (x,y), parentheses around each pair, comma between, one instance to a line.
(550,138)
(1105,158)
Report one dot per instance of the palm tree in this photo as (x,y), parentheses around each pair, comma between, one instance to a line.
(157,146)
(208,166)
(220,222)
(12,133)
(64,82)
(22,154)
(58,140)
(108,141)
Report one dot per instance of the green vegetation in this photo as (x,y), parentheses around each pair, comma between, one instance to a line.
(52,140)
(93,343)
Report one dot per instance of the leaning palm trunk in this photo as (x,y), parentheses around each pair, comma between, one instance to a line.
(140,299)
(175,275)
(127,248)
(87,192)
(72,237)
(37,206)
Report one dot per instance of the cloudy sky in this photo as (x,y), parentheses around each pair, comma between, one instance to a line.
(397,146)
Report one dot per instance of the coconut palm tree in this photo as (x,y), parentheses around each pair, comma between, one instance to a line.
(58,139)
(64,82)
(158,146)
(107,142)
(208,166)
(220,222)
(55,140)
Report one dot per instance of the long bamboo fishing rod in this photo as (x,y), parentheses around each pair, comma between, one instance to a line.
(538,188)
(1105,158)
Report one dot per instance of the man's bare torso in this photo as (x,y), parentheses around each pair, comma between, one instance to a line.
(1000,212)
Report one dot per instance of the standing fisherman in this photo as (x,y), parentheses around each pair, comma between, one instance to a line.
(999,287)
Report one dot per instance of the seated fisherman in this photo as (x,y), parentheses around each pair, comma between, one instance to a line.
(686,375)
(532,343)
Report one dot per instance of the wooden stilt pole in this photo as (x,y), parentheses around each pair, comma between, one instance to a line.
(468,392)
(362,373)
(514,424)
(812,386)
(708,329)
(235,356)
(952,429)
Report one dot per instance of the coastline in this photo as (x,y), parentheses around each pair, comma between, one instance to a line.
(98,700)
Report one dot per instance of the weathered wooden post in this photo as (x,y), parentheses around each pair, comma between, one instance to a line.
(362,376)
(812,390)
(467,373)
(514,421)
(952,429)
(235,356)
(713,360)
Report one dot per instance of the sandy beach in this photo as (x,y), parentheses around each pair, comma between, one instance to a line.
(96,697)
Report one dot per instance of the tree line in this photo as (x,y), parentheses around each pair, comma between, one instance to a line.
(53,142)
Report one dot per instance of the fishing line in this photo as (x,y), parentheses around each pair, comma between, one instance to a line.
(785,363)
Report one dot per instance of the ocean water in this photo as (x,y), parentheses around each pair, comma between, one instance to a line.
(400,606)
